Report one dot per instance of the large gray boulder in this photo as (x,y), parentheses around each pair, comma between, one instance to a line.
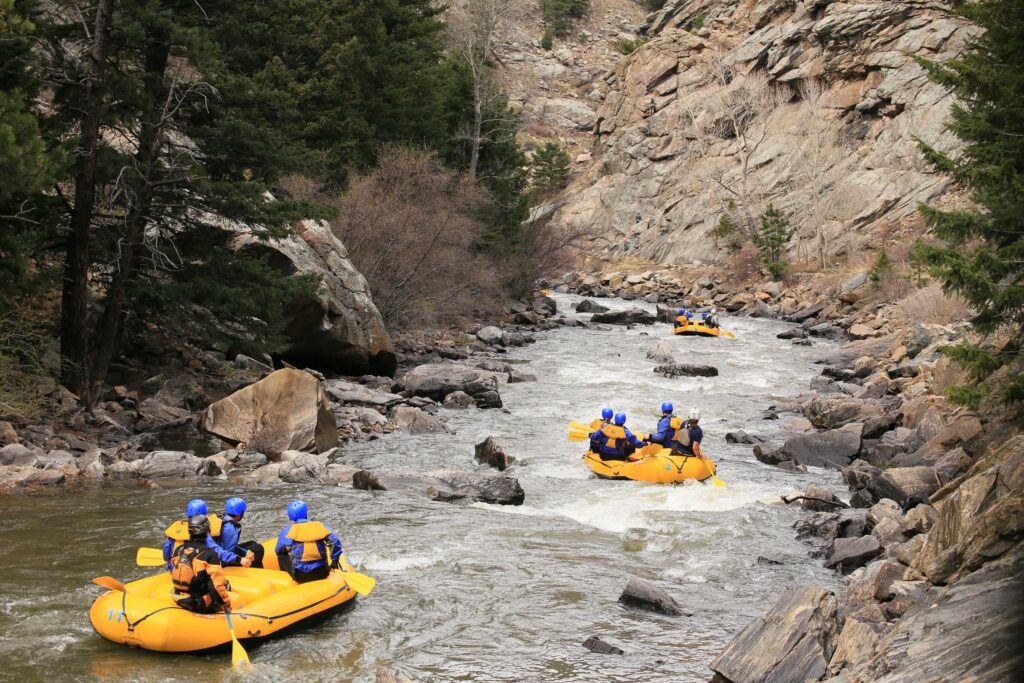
(645,595)
(488,452)
(792,642)
(832,411)
(906,485)
(286,410)
(628,316)
(16,455)
(589,306)
(338,329)
(849,553)
(415,421)
(353,393)
(445,485)
(169,465)
(437,380)
(835,448)
(305,468)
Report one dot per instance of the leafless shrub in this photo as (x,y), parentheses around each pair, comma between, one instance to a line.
(21,370)
(931,305)
(409,228)
(300,187)
(546,249)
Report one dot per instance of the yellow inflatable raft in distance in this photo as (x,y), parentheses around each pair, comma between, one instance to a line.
(660,468)
(264,602)
(696,329)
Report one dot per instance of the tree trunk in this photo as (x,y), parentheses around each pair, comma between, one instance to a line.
(147,157)
(74,318)
(478,115)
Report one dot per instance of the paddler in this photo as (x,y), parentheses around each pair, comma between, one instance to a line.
(683,318)
(711,318)
(687,439)
(196,571)
(231,533)
(307,550)
(177,534)
(606,418)
(615,441)
(667,426)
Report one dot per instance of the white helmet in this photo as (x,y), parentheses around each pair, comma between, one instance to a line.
(694,414)
(714,310)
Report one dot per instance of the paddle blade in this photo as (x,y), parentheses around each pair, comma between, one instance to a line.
(578,426)
(150,557)
(714,477)
(360,583)
(110,583)
(730,335)
(576,435)
(239,657)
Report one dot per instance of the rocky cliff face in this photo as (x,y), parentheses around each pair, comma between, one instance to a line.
(813,105)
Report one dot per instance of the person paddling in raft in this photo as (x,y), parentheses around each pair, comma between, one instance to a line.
(196,571)
(711,318)
(595,427)
(250,553)
(177,534)
(683,317)
(687,439)
(667,426)
(615,441)
(307,550)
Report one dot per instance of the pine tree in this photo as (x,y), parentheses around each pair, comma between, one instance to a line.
(771,240)
(549,168)
(983,260)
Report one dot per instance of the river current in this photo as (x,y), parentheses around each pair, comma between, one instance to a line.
(478,592)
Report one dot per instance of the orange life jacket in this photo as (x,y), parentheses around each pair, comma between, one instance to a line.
(192,563)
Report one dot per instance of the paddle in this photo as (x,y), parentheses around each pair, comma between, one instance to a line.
(109,582)
(724,333)
(714,478)
(360,583)
(150,557)
(238,654)
(580,426)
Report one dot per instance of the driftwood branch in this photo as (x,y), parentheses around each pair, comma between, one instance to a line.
(836,503)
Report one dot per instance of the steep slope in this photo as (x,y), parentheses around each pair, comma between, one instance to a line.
(813,105)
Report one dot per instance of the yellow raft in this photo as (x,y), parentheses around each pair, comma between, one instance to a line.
(660,468)
(697,329)
(264,602)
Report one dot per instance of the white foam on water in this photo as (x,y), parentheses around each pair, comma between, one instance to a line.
(524,510)
(379,563)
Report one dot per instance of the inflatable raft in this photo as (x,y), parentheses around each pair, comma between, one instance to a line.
(660,468)
(696,329)
(265,602)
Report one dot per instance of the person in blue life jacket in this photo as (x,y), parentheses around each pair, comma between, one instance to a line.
(307,550)
(688,438)
(667,426)
(684,317)
(606,418)
(615,441)
(177,534)
(711,318)
(231,533)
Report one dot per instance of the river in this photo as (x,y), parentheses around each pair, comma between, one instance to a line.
(480,592)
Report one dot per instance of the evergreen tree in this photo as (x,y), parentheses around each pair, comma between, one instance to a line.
(560,14)
(771,240)
(983,260)
(549,168)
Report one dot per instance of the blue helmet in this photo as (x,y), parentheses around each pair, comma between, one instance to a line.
(298,511)
(196,506)
(607,413)
(667,407)
(620,419)
(235,507)
(682,311)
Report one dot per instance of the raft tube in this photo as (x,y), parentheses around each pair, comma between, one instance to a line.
(660,468)
(264,603)
(701,330)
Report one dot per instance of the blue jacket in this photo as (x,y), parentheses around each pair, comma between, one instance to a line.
(229,534)
(285,544)
(665,432)
(226,556)
(600,439)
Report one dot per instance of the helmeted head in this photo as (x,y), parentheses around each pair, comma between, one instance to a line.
(298,511)
(714,311)
(198,527)
(235,507)
(681,311)
(666,408)
(693,415)
(196,506)
(620,419)
(607,413)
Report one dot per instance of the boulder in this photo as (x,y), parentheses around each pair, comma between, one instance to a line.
(817,498)
(919,519)
(458,400)
(415,421)
(741,436)
(629,316)
(169,465)
(16,455)
(7,433)
(888,532)
(305,468)
(588,306)
(807,313)
(853,645)
(437,380)
(850,553)
(352,393)
(491,335)
(445,485)
(872,583)
(835,410)
(338,328)
(686,370)
(645,595)
(792,642)
(661,353)
(771,453)
(517,376)
(845,355)
(835,448)
(123,469)
(36,477)
(906,485)
(250,461)
(965,429)
(249,364)
(595,644)
(884,509)
(155,413)
(488,452)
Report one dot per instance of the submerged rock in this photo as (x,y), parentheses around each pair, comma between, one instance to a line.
(686,370)
(595,644)
(589,306)
(446,485)
(415,421)
(488,452)
(645,595)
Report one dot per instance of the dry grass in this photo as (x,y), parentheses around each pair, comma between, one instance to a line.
(932,305)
